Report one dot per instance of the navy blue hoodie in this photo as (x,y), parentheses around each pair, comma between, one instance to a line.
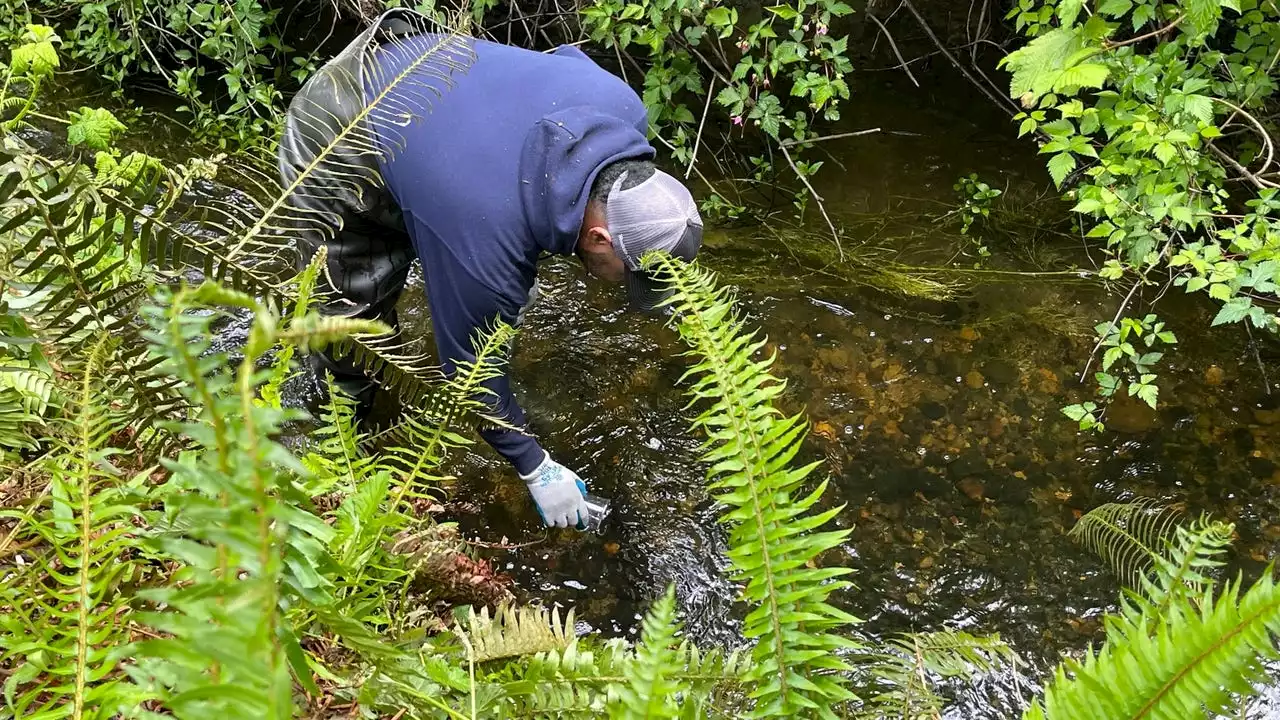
(496,174)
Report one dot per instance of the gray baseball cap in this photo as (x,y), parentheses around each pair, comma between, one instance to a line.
(657,214)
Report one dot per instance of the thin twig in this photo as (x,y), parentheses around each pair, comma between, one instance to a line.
(902,63)
(702,177)
(816,197)
(824,138)
(1244,171)
(1262,132)
(1253,345)
(1158,31)
(697,140)
(621,65)
(997,99)
(1103,336)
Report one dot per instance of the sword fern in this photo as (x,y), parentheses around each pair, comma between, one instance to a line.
(65,617)
(1181,647)
(775,535)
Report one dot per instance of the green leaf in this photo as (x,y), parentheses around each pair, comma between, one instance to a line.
(1115,8)
(1203,14)
(95,128)
(720,17)
(1234,310)
(1165,152)
(651,692)
(729,96)
(1182,214)
(1187,652)
(1220,291)
(1087,75)
(1068,10)
(1075,412)
(37,57)
(1199,106)
(1147,394)
(1037,66)
(1060,166)
(786,12)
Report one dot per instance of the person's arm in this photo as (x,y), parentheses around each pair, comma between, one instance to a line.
(461,306)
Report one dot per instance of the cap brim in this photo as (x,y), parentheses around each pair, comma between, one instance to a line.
(645,292)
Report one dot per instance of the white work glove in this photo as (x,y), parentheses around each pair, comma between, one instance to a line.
(558,493)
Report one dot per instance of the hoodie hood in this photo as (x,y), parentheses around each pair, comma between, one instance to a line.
(562,155)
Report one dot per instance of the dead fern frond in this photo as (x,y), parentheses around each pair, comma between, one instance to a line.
(515,631)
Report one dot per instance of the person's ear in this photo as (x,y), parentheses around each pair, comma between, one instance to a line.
(598,238)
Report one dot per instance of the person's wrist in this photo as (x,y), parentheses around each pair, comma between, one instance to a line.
(536,470)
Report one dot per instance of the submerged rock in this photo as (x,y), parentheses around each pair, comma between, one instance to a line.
(1128,414)
(1214,376)
(974,379)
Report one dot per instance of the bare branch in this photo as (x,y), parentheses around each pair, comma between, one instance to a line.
(816,197)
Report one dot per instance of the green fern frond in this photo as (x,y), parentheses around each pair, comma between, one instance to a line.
(35,387)
(397,364)
(1181,571)
(1127,536)
(774,536)
(912,664)
(15,421)
(516,630)
(418,445)
(1197,655)
(68,624)
(337,458)
(652,693)
(249,553)
(83,279)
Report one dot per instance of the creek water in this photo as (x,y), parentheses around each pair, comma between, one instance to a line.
(937,422)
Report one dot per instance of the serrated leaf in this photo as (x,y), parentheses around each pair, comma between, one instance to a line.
(1182,214)
(1165,151)
(786,12)
(1220,291)
(1087,75)
(1203,14)
(1075,412)
(1068,10)
(1197,283)
(1148,394)
(1142,15)
(1115,8)
(719,17)
(729,96)
(95,128)
(1233,311)
(1199,106)
(1037,65)
(1060,166)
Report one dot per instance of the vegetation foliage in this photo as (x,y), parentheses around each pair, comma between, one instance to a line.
(1155,117)
(179,561)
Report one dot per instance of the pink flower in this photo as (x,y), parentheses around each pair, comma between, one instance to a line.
(744,46)
(822,30)
(737,119)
